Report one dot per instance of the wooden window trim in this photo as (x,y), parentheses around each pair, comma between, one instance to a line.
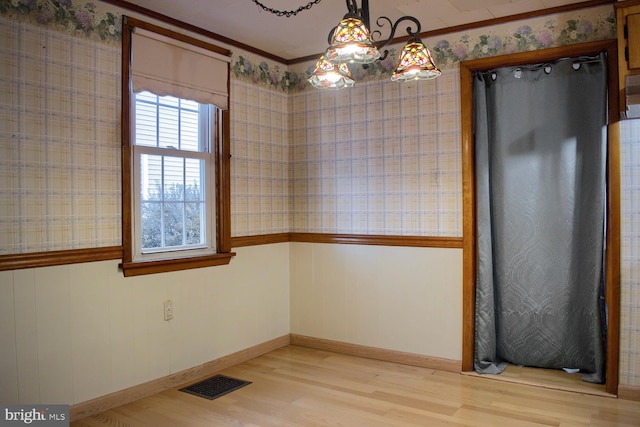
(222,154)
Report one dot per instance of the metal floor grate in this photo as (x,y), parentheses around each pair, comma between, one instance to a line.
(214,387)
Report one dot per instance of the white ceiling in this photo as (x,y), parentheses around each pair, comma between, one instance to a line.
(306,33)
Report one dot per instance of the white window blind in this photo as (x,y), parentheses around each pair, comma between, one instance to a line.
(166,66)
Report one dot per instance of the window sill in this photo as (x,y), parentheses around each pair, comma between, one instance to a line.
(138,268)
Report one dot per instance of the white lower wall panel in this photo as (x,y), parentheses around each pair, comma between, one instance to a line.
(75,332)
(397,298)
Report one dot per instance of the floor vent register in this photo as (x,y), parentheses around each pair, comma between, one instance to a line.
(215,387)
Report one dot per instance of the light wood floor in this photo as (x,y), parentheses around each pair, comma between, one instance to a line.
(296,386)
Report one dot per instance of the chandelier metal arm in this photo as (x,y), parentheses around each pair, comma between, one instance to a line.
(394,27)
(363,13)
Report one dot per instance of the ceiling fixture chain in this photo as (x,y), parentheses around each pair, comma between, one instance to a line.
(287,13)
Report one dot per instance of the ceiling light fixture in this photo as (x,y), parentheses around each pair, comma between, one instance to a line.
(352,42)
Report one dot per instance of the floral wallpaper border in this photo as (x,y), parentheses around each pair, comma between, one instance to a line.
(592,24)
(265,74)
(526,38)
(85,20)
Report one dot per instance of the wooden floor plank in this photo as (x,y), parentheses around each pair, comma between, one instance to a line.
(297,386)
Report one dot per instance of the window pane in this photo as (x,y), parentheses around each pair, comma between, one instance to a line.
(169,100)
(151,222)
(146,96)
(173,178)
(168,122)
(189,130)
(194,170)
(173,205)
(189,104)
(146,124)
(173,224)
(150,177)
(168,127)
(194,214)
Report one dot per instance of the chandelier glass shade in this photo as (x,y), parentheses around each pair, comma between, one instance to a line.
(328,75)
(416,63)
(351,42)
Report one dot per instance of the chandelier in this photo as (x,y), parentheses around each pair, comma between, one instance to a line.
(352,42)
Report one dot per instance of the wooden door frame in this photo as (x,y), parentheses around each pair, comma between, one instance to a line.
(467,68)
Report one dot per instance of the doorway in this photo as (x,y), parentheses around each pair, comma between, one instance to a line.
(470,253)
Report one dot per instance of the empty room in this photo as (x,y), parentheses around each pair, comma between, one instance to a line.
(300,213)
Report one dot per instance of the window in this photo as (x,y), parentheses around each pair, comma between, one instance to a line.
(172,175)
(176,189)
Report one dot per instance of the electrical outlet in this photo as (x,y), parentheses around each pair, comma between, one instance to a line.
(168,310)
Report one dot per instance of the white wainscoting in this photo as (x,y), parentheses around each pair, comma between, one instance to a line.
(76,332)
(396,298)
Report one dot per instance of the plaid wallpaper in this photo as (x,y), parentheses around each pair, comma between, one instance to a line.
(630,274)
(260,166)
(59,140)
(379,158)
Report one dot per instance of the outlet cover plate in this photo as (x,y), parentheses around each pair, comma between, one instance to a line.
(168,310)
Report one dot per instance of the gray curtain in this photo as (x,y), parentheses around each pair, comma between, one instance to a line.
(540,137)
